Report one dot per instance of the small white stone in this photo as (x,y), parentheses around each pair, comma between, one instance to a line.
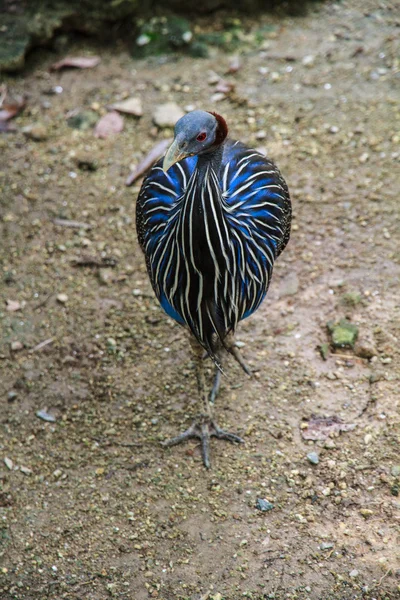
(9,463)
(308,60)
(143,40)
(62,298)
(353,573)
(166,115)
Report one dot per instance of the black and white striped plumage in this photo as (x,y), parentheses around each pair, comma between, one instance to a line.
(210,228)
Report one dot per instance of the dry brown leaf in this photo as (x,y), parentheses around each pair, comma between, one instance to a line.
(76,62)
(152,157)
(108,125)
(9,109)
(320,428)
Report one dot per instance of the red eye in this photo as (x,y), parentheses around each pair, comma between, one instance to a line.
(201,137)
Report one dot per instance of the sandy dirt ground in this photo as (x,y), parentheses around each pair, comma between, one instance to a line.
(91,506)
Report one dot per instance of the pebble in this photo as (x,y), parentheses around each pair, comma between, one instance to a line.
(313,458)
(15,346)
(62,298)
(366,512)
(395,470)
(353,573)
(111,345)
(308,60)
(264,505)
(106,276)
(368,438)
(213,78)
(36,132)
(45,416)
(364,157)
(365,349)
(130,106)
(11,395)
(9,463)
(218,97)
(326,545)
(261,135)
(166,115)
(26,470)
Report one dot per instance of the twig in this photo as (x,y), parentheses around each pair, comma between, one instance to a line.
(381,579)
(93,261)
(42,345)
(73,224)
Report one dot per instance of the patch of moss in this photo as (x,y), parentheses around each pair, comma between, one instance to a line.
(343,334)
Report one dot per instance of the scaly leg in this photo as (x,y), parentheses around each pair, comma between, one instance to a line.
(216,385)
(203,427)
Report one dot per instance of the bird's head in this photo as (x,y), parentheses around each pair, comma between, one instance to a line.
(197,132)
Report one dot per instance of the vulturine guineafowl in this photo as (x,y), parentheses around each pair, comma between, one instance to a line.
(212,217)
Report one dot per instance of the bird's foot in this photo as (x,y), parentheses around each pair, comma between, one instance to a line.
(204,429)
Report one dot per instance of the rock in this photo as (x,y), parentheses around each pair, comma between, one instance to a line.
(326,545)
(22,29)
(395,470)
(37,132)
(106,276)
(12,395)
(84,120)
(9,463)
(308,60)
(313,458)
(343,334)
(264,505)
(366,512)
(26,470)
(353,573)
(109,125)
(45,416)
(365,348)
(62,298)
(166,115)
(131,106)
(16,346)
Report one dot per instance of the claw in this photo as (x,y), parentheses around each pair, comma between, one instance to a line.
(204,429)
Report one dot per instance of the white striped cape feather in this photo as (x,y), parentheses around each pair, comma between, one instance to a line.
(210,242)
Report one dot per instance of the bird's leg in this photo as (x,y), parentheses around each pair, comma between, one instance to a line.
(204,427)
(216,385)
(230,345)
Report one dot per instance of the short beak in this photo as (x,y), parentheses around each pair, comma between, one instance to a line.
(174,154)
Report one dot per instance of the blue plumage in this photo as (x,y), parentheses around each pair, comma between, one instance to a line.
(212,217)
(255,204)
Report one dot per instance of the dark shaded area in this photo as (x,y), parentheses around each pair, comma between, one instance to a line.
(26,25)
